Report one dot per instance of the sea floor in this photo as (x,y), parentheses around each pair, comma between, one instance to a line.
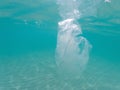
(38,71)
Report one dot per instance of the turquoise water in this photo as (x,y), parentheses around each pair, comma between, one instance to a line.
(28,41)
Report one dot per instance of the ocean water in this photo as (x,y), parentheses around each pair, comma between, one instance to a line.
(36,54)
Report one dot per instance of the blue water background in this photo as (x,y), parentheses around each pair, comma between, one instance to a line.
(27,50)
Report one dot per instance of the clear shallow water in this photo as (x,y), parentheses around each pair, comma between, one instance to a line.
(27,52)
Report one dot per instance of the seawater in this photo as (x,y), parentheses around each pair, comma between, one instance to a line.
(27,51)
